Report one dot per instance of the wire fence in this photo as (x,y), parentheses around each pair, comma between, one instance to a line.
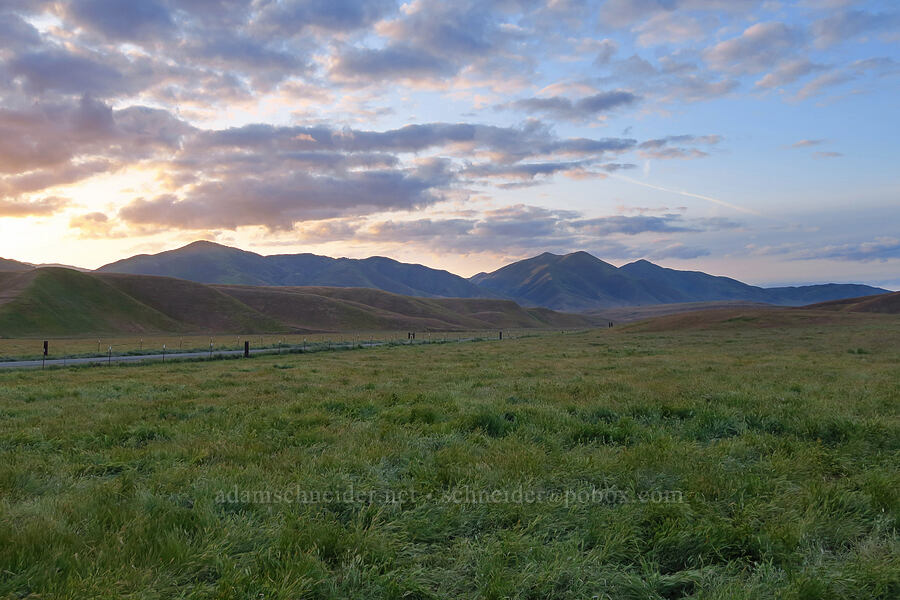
(32,349)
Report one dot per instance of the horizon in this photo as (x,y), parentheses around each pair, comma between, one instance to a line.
(614,263)
(748,139)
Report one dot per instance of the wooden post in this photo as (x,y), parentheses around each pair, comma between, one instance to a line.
(109,355)
(164,353)
(246,349)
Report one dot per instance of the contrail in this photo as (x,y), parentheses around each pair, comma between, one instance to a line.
(689,194)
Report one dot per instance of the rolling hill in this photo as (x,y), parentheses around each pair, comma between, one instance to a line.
(64,302)
(207,262)
(882,303)
(581,282)
(7,264)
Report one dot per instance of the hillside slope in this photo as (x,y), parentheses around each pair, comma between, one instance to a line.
(882,303)
(54,301)
(7,264)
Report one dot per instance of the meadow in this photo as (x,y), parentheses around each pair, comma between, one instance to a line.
(739,461)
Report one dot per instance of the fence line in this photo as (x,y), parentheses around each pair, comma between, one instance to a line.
(277,345)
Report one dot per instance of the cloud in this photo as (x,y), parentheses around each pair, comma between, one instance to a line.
(822,83)
(519,229)
(677,250)
(97,225)
(848,24)
(788,72)
(631,225)
(293,17)
(394,61)
(33,208)
(124,21)
(827,154)
(606,49)
(758,47)
(879,249)
(666,148)
(67,73)
(278,202)
(807,143)
(620,13)
(672,27)
(51,144)
(578,110)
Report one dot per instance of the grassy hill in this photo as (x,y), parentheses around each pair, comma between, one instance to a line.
(883,303)
(54,301)
(7,264)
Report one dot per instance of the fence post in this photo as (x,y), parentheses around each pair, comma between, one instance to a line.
(246,349)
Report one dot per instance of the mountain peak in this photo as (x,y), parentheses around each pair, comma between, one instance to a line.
(205,245)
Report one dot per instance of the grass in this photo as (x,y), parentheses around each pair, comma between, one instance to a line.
(732,463)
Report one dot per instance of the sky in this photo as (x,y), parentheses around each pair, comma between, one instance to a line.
(754,139)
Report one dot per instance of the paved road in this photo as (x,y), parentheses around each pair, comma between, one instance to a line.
(65,362)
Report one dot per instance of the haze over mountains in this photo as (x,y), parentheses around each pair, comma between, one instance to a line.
(571,282)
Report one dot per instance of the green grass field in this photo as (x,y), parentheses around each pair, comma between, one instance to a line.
(744,462)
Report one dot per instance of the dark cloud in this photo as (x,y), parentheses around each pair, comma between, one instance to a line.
(279,203)
(135,20)
(392,62)
(16,33)
(576,110)
(293,17)
(61,71)
(53,144)
(508,144)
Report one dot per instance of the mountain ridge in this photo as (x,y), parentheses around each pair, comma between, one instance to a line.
(577,281)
